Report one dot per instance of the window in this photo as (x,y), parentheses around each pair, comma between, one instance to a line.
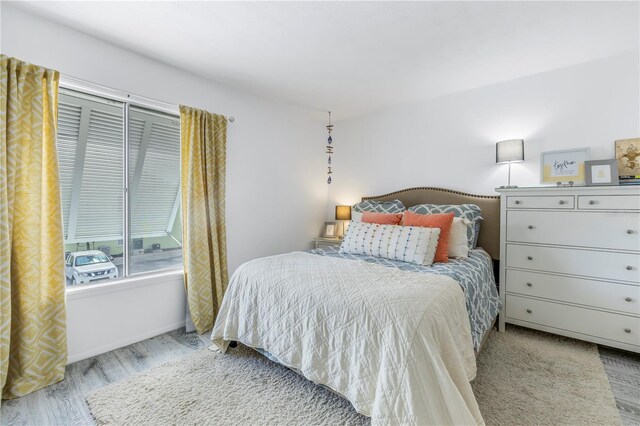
(154,187)
(96,202)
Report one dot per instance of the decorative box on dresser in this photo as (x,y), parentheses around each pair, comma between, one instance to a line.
(570,262)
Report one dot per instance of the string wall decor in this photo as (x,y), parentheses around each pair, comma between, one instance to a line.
(329,151)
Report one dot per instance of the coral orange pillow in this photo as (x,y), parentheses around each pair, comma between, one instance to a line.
(382,218)
(442,221)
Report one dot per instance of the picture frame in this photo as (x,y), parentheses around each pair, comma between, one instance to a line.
(628,158)
(330,230)
(565,166)
(601,172)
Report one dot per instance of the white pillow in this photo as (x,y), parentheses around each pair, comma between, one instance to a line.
(412,244)
(458,239)
(356,216)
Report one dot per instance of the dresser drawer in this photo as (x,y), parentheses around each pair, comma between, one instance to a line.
(581,229)
(541,202)
(605,325)
(609,202)
(588,263)
(618,297)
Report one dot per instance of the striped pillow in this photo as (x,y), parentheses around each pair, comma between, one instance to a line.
(412,244)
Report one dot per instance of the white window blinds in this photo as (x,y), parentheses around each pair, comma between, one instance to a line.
(68,133)
(91,157)
(90,145)
(154,172)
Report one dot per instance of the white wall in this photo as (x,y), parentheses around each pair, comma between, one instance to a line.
(276,190)
(449,142)
(108,316)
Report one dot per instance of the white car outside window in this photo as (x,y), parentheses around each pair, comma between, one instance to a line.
(87,266)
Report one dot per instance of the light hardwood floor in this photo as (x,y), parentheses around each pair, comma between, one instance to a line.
(623,371)
(63,403)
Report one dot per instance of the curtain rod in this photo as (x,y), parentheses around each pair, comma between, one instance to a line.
(119,95)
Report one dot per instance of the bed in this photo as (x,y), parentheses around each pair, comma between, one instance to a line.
(397,340)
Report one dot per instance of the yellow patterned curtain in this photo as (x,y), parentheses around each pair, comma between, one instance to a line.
(33,341)
(204,140)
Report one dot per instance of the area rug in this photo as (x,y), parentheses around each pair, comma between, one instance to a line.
(524,378)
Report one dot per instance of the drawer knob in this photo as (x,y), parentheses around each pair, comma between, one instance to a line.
(629,231)
(530,226)
(627,299)
(592,202)
(561,202)
(629,268)
(517,202)
(530,311)
(531,258)
(529,285)
(627,330)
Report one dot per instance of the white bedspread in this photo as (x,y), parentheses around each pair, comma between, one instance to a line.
(396,344)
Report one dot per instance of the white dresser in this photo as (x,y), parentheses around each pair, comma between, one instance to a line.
(570,262)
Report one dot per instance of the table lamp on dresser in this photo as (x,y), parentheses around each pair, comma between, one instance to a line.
(510,151)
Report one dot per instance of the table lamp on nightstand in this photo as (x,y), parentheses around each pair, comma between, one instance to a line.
(343,214)
(510,151)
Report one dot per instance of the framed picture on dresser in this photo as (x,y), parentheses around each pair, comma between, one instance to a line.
(601,172)
(628,158)
(566,166)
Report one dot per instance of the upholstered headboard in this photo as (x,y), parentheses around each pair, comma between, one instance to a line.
(489,238)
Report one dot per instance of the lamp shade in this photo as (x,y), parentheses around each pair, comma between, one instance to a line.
(510,151)
(343,212)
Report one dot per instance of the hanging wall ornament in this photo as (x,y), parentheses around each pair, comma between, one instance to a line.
(329,148)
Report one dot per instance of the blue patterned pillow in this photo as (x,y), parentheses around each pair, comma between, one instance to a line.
(468,211)
(476,232)
(394,206)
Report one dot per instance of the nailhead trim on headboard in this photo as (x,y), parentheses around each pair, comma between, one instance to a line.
(489,197)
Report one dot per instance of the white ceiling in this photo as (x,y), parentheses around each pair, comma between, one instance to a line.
(353,57)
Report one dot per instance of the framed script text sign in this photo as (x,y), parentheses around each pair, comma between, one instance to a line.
(564,166)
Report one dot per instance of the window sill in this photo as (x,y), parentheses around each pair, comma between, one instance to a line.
(128,283)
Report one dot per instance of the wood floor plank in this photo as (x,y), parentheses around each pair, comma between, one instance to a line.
(623,372)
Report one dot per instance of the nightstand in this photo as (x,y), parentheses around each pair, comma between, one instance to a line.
(327,242)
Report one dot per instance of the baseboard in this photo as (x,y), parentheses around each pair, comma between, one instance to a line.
(122,343)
